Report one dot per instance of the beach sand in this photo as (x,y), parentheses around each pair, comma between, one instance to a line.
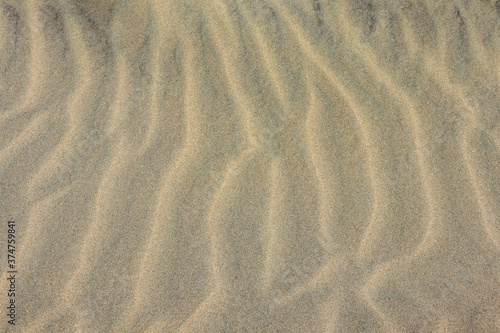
(250,166)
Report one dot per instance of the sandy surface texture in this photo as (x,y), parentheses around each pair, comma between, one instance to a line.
(257,166)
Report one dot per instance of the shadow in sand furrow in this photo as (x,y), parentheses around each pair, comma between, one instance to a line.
(287,80)
(47,67)
(14,60)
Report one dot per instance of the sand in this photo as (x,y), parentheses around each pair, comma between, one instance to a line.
(250,166)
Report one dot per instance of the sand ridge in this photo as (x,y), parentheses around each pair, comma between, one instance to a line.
(252,166)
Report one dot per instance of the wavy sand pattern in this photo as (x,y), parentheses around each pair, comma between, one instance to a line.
(252,166)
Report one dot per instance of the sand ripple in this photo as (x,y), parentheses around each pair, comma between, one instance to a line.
(259,166)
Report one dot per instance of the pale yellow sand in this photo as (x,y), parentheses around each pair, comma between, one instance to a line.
(251,166)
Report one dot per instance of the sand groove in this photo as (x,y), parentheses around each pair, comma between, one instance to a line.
(260,166)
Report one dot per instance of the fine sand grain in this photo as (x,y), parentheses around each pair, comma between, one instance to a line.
(250,165)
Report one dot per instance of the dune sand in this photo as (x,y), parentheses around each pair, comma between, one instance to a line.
(250,166)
